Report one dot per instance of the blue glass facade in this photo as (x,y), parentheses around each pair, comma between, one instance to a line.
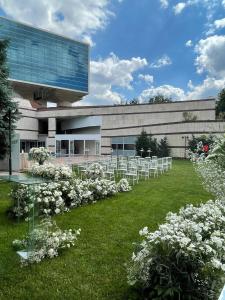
(44,58)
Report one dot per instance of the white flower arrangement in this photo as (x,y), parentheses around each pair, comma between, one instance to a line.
(51,171)
(47,241)
(193,239)
(123,185)
(40,155)
(94,171)
(186,255)
(58,197)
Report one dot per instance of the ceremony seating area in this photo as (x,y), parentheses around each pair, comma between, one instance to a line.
(132,167)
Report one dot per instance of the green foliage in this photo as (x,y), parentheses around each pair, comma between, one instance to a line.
(147,141)
(8,108)
(142,142)
(134,101)
(218,152)
(159,99)
(188,116)
(206,140)
(163,148)
(220,107)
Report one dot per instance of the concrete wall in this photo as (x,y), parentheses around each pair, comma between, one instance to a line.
(128,120)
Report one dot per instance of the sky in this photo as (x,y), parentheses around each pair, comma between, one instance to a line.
(139,48)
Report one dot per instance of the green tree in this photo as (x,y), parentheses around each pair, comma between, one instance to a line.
(220,107)
(134,101)
(153,145)
(159,99)
(8,109)
(163,148)
(142,142)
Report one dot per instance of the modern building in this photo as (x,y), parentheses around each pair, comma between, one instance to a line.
(45,67)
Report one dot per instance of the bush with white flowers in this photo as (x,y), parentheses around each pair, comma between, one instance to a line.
(40,155)
(48,240)
(94,171)
(185,257)
(51,171)
(58,197)
(123,185)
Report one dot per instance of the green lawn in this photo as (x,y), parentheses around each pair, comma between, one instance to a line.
(95,267)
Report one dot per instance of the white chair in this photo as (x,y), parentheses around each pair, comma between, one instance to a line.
(132,174)
(110,172)
(122,168)
(144,170)
(160,165)
(153,168)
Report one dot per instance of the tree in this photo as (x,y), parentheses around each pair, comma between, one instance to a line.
(153,145)
(134,101)
(142,142)
(159,99)
(220,107)
(163,148)
(8,109)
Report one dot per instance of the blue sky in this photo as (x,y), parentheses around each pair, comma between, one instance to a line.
(140,48)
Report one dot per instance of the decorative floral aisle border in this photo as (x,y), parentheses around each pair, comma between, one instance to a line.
(185,257)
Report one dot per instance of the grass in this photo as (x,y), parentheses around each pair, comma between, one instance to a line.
(95,267)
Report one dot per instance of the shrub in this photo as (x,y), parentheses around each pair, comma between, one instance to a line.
(51,171)
(58,197)
(40,155)
(184,258)
(94,171)
(123,185)
(48,240)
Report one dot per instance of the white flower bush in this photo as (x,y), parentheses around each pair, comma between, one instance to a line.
(40,155)
(213,177)
(94,171)
(48,240)
(123,185)
(51,171)
(184,256)
(58,197)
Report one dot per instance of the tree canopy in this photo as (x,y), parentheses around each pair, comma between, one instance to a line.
(220,107)
(8,108)
(159,99)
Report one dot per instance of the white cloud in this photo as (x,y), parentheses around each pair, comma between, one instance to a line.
(209,5)
(179,7)
(161,62)
(189,43)
(223,3)
(73,18)
(110,73)
(164,3)
(147,78)
(217,24)
(211,56)
(220,23)
(165,90)
(209,88)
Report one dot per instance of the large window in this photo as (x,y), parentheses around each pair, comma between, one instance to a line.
(38,56)
(26,145)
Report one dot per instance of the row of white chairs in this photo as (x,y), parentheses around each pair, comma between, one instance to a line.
(131,168)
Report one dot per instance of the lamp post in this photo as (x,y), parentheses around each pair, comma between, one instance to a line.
(149,152)
(142,150)
(10,143)
(185,138)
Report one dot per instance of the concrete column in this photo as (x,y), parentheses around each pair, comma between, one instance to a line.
(51,134)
